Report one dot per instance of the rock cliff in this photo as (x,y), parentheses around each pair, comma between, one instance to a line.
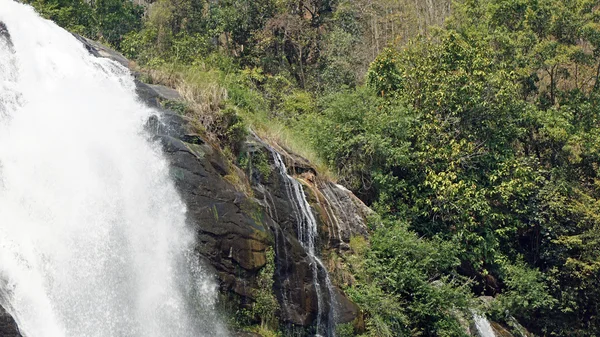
(239,213)
(235,227)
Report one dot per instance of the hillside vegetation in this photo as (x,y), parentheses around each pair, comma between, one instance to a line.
(471,128)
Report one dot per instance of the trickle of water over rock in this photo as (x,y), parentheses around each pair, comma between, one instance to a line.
(307,234)
(483,326)
(93,237)
(345,212)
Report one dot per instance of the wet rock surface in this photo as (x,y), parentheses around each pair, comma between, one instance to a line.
(4,30)
(5,35)
(100,50)
(8,327)
(339,218)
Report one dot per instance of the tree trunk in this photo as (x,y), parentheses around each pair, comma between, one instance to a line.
(597,83)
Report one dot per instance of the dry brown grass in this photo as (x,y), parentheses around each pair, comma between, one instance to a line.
(205,96)
(199,88)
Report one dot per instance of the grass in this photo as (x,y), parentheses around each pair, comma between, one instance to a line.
(284,137)
(265,331)
(207,90)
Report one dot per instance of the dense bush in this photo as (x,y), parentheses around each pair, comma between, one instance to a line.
(409,286)
(105,20)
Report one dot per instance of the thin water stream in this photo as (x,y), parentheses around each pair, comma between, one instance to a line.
(307,233)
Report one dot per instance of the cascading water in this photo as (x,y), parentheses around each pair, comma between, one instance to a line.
(307,235)
(93,235)
(483,326)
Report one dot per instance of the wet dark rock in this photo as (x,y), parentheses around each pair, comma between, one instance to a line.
(347,311)
(340,216)
(4,31)
(5,35)
(235,230)
(8,327)
(345,214)
(147,94)
(166,93)
(500,330)
(231,229)
(100,50)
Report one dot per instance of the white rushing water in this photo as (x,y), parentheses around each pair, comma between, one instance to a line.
(93,235)
(483,326)
(307,235)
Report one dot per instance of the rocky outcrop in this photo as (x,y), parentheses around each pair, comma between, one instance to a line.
(5,35)
(235,228)
(345,214)
(238,215)
(8,327)
(100,50)
(232,233)
(340,216)
(236,224)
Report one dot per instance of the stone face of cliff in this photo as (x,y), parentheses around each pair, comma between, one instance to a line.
(235,228)
(237,224)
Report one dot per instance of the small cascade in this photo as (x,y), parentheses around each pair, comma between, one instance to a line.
(483,326)
(307,235)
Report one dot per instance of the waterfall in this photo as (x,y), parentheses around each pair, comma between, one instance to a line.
(93,234)
(307,234)
(483,326)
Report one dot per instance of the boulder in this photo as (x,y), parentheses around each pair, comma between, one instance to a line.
(8,327)
(166,93)
(100,50)
(5,35)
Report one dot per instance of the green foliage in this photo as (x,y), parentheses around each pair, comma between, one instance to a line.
(256,163)
(116,18)
(384,76)
(265,332)
(344,330)
(526,292)
(499,162)
(409,285)
(170,33)
(74,15)
(107,20)
(180,107)
(261,163)
(298,104)
(359,135)
(265,303)
(231,129)
(340,62)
